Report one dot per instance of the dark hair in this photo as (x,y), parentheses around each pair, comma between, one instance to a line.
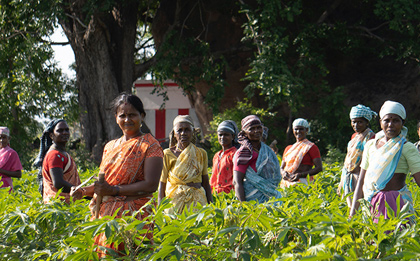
(131,99)
(418,125)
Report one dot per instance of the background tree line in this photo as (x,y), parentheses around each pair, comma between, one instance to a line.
(295,58)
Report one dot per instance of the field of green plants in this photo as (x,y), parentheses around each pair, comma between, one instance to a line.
(311,224)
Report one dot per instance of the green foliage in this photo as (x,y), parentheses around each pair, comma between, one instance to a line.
(311,224)
(31,86)
(190,62)
(299,43)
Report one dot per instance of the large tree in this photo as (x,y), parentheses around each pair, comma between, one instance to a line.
(291,53)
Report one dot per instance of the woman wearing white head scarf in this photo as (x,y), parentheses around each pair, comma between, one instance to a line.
(360,116)
(184,176)
(299,158)
(386,161)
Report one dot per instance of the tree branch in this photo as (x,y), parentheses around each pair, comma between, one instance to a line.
(329,10)
(141,69)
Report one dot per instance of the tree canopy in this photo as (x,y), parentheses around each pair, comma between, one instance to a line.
(297,57)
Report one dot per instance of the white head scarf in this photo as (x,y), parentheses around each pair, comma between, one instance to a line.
(392,107)
(301,122)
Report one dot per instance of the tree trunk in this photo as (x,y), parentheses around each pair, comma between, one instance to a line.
(104,55)
(218,23)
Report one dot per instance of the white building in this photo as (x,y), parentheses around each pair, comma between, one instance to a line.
(160,120)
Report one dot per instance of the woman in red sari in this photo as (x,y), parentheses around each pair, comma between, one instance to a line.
(132,165)
(222,175)
(58,169)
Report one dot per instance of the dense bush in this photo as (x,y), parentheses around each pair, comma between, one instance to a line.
(311,224)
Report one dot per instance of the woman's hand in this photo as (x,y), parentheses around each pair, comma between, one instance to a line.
(76,194)
(104,189)
(294,176)
(339,189)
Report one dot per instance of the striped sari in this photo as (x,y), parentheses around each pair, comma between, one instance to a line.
(293,157)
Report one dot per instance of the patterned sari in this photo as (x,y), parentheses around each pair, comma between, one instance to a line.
(188,166)
(262,184)
(123,164)
(353,158)
(293,157)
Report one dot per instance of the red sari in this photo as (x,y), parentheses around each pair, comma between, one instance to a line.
(55,159)
(222,173)
(123,164)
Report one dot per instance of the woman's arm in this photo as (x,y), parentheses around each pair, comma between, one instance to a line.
(358,192)
(283,173)
(13,174)
(162,189)
(238,183)
(206,185)
(58,180)
(313,171)
(416,177)
(152,172)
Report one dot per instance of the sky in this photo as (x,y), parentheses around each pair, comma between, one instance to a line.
(63,54)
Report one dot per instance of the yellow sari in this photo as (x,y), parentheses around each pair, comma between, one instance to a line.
(189,167)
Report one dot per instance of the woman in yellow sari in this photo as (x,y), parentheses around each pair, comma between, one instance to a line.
(184,175)
(132,165)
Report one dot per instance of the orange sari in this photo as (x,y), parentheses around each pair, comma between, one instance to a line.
(123,164)
(293,157)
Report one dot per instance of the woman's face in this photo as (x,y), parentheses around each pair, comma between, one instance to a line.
(61,133)
(183,133)
(225,138)
(4,141)
(359,124)
(300,132)
(129,119)
(392,125)
(254,133)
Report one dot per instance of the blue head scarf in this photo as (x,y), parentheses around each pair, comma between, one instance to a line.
(230,127)
(361,111)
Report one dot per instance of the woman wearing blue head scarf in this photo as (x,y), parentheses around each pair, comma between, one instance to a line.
(222,174)
(360,116)
(386,161)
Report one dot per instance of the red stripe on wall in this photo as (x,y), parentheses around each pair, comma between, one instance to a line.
(160,121)
(183,111)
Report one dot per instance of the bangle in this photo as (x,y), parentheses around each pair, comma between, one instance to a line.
(118,190)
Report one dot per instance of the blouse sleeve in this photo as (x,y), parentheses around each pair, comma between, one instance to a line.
(413,158)
(314,152)
(155,150)
(54,159)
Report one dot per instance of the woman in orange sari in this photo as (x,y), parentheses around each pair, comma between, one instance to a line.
(132,165)
(299,158)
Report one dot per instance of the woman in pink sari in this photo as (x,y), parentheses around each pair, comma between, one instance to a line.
(10,166)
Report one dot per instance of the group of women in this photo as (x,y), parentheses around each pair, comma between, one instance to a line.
(135,166)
